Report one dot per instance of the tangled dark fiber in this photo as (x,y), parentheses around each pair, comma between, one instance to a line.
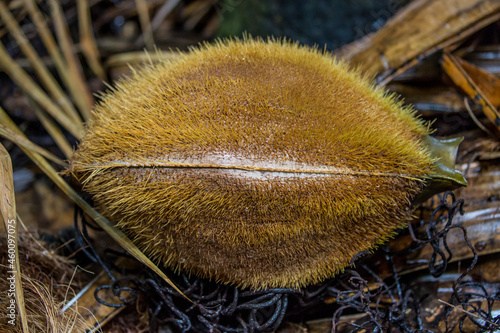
(388,301)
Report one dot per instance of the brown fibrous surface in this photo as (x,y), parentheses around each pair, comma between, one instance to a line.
(48,282)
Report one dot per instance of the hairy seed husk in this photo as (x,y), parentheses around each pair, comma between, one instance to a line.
(261,164)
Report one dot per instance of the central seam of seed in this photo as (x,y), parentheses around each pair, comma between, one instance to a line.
(312,171)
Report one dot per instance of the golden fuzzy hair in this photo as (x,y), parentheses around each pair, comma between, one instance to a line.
(261,164)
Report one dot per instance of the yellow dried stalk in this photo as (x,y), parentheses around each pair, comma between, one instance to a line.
(87,40)
(8,214)
(73,64)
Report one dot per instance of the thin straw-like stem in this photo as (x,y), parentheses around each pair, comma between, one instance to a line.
(54,131)
(8,214)
(164,10)
(74,67)
(22,141)
(87,40)
(147,32)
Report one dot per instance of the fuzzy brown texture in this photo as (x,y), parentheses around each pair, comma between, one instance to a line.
(262,164)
